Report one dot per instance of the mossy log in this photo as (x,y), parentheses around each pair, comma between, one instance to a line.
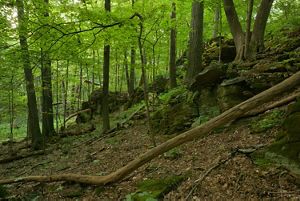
(195,133)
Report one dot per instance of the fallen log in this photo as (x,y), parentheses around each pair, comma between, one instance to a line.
(276,104)
(18,157)
(195,133)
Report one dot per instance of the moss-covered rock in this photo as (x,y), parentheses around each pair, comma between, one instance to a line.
(172,119)
(231,92)
(154,189)
(285,151)
(267,121)
(175,113)
(292,122)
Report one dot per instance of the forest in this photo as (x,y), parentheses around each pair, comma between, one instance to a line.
(142,100)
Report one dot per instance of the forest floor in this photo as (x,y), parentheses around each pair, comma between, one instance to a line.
(239,178)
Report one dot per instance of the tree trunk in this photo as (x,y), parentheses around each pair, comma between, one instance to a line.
(172,63)
(195,133)
(256,43)
(126,67)
(105,108)
(66,88)
(144,81)
(217,20)
(235,28)
(33,119)
(248,26)
(47,97)
(196,41)
(257,38)
(132,72)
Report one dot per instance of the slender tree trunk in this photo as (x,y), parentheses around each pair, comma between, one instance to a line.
(132,72)
(93,73)
(11,114)
(66,88)
(126,67)
(105,103)
(196,41)
(80,87)
(33,119)
(248,26)
(144,81)
(172,62)
(88,78)
(57,96)
(217,20)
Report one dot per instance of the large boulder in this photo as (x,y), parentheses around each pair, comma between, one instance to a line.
(209,77)
(232,92)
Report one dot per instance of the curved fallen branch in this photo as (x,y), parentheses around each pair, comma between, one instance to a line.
(76,113)
(198,132)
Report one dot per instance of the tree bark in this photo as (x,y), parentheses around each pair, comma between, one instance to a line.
(257,39)
(248,26)
(106,64)
(217,20)
(33,119)
(196,41)
(195,133)
(172,62)
(256,43)
(47,97)
(235,28)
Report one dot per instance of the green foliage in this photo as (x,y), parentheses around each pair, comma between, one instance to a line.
(18,133)
(176,94)
(206,115)
(267,121)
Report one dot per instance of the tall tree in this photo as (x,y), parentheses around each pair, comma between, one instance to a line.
(217,19)
(131,83)
(33,119)
(46,74)
(105,108)
(256,43)
(172,62)
(196,41)
(248,26)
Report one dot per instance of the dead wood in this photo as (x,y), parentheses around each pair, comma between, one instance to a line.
(18,157)
(77,113)
(276,104)
(195,133)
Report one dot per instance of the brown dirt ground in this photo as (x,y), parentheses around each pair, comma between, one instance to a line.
(238,179)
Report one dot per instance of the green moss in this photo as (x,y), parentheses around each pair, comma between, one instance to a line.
(173,154)
(173,94)
(267,121)
(3,192)
(281,153)
(112,141)
(154,189)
